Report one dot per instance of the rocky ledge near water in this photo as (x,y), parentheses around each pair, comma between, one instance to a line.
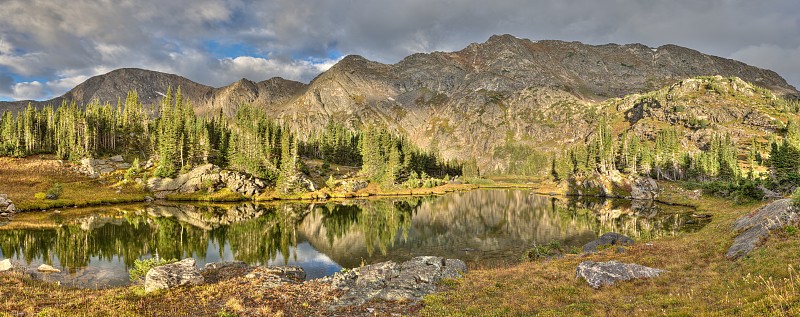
(407,281)
(613,185)
(599,274)
(755,227)
(208,177)
(7,207)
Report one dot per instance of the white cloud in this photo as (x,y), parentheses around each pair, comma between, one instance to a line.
(27,90)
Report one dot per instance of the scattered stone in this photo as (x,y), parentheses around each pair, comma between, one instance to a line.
(410,280)
(607,239)
(755,227)
(116,158)
(148,199)
(598,274)
(5,265)
(183,272)
(7,206)
(51,196)
(44,268)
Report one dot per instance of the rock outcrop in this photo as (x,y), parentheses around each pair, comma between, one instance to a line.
(613,185)
(97,167)
(206,177)
(599,274)
(607,239)
(410,280)
(7,207)
(180,273)
(755,227)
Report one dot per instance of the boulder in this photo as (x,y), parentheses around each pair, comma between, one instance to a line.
(6,205)
(607,239)
(410,280)
(5,265)
(755,227)
(274,276)
(298,183)
(116,158)
(598,274)
(180,273)
(644,188)
(44,268)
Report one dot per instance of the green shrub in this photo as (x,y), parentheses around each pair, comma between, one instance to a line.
(141,267)
(134,171)
(40,196)
(790,230)
(552,249)
(331,183)
(796,197)
(54,191)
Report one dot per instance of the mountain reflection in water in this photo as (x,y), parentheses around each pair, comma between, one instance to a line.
(481,227)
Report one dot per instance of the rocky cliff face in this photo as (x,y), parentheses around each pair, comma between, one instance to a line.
(496,101)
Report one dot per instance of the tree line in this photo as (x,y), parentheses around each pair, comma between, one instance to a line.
(176,139)
(664,157)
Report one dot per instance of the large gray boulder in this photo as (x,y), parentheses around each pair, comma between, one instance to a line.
(607,239)
(598,274)
(180,273)
(755,227)
(410,280)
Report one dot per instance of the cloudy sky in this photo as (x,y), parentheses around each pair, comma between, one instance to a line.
(49,46)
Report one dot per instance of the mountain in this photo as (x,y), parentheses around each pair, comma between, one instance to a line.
(508,102)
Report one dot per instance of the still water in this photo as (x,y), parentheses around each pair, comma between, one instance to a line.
(96,247)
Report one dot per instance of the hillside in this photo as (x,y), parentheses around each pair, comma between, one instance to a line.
(505,102)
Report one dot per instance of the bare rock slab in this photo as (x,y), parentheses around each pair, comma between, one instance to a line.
(598,274)
(755,227)
(410,280)
(183,272)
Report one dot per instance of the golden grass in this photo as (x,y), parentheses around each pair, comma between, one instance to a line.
(699,281)
(22,178)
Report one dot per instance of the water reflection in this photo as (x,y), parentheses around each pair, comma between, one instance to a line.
(477,226)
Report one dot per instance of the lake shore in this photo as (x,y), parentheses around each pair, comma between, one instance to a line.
(699,281)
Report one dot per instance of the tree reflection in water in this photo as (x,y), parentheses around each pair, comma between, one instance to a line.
(477,226)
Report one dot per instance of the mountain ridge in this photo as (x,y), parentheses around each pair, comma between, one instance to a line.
(499,101)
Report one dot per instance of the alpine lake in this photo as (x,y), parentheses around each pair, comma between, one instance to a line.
(95,247)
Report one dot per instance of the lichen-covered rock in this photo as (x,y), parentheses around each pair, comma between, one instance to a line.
(607,239)
(180,273)
(598,274)
(410,280)
(756,226)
